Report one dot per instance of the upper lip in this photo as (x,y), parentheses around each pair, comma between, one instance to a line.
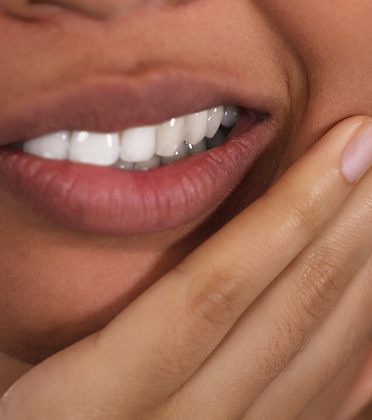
(103,200)
(110,103)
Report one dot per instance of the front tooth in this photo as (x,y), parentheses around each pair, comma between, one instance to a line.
(214,120)
(170,135)
(230,116)
(138,144)
(196,127)
(51,146)
(94,148)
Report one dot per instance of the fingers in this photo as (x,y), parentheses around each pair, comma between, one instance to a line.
(278,327)
(343,335)
(162,339)
(194,306)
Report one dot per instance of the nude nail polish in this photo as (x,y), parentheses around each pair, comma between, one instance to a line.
(357,156)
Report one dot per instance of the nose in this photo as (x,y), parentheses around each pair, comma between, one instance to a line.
(97,8)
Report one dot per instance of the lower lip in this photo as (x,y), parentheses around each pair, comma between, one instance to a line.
(116,202)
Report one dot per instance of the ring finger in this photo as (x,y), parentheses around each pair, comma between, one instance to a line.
(341,339)
(279,324)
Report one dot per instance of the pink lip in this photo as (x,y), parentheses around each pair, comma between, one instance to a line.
(109,201)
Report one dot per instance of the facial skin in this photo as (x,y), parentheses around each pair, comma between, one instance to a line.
(58,285)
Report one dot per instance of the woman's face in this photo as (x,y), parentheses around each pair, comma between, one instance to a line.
(308,62)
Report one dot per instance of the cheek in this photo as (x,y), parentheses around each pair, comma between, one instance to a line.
(333,48)
(57,286)
(49,298)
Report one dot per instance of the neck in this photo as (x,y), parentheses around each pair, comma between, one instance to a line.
(10,370)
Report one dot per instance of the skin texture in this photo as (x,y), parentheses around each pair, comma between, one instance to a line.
(58,285)
(227,339)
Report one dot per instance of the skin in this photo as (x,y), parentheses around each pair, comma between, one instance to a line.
(319,75)
(227,340)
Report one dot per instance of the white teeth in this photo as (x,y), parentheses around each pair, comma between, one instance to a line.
(230,116)
(214,120)
(51,146)
(196,127)
(138,144)
(170,136)
(94,148)
(140,148)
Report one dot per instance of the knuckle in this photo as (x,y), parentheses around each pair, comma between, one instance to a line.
(319,282)
(306,212)
(217,299)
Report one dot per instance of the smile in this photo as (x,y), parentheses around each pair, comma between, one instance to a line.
(140,148)
(67,155)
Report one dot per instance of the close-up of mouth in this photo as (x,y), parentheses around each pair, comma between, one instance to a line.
(185,209)
(143,171)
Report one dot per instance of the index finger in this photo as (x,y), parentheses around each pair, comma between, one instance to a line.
(163,337)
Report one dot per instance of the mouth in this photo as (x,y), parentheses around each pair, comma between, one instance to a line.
(166,159)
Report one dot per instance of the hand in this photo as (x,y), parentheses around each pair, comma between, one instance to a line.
(258,314)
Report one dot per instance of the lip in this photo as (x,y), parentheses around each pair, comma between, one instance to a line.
(110,103)
(109,201)
(115,202)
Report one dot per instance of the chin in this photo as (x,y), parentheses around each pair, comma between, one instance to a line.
(61,284)
(46,307)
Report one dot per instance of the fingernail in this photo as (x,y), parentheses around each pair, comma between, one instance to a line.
(357,156)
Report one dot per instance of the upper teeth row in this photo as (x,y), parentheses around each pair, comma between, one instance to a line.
(139,144)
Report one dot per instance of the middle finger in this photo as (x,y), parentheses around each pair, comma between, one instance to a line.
(281,321)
